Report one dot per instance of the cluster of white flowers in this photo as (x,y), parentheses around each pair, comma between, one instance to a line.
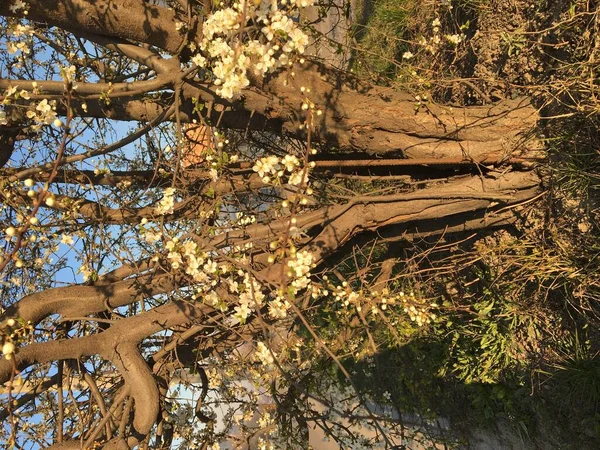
(250,299)
(432,43)
(272,169)
(206,273)
(42,112)
(12,332)
(299,266)
(344,295)
(249,292)
(455,39)
(196,262)
(86,272)
(266,166)
(418,311)
(67,239)
(151,237)
(19,31)
(245,219)
(278,308)
(8,349)
(17,5)
(14,47)
(263,354)
(68,73)
(229,54)
(165,206)
(447,3)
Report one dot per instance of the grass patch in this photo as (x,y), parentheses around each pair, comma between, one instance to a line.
(382,39)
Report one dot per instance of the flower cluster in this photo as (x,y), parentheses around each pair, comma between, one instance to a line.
(273,168)
(68,73)
(278,308)
(432,44)
(250,298)
(86,272)
(244,219)
(13,331)
(42,112)
(206,274)
(17,5)
(263,354)
(14,47)
(165,206)
(249,293)
(19,31)
(418,311)
(229,53)
(299,268)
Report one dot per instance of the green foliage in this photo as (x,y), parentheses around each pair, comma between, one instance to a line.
(577,375)
(487,340)
(381,38)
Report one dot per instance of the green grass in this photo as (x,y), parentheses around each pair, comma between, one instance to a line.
(380,40)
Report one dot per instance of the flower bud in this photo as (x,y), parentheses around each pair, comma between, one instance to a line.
(8,349)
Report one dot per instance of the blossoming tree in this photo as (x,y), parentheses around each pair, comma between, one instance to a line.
(208,262)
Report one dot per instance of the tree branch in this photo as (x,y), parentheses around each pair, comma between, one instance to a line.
(122,19)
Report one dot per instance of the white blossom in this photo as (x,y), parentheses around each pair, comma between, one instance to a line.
(263,354)
(165,206)
(17,5)
(8,349)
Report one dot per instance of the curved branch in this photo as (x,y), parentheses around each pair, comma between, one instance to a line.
(142,55)
(80,300)
(131,329)
(149,107)
(142,387)
(458,198)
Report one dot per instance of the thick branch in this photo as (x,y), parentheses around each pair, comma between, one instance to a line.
(123,19)
(473,196)
(81,300)
(132,330)
(379,121)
